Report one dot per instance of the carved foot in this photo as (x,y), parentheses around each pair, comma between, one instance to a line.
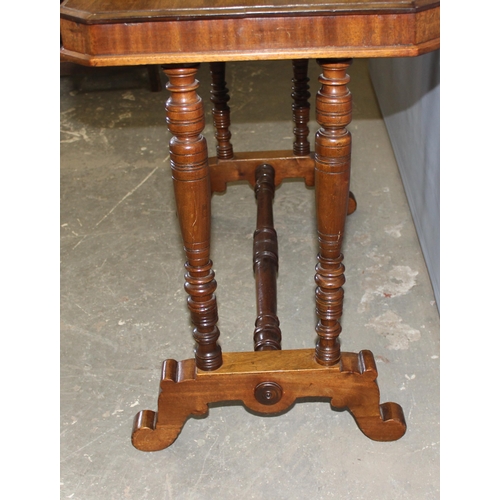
(388,425)
(380,422)
(267,382)
(147,436)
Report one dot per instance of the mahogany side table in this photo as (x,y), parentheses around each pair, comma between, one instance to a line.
(181,34)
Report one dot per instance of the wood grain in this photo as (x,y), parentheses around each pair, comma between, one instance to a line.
(244,376)
(106,11)
(108,38)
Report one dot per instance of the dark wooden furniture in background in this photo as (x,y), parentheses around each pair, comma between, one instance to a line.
(180,34)
(69,69)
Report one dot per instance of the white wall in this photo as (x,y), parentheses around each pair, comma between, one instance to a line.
(408,93)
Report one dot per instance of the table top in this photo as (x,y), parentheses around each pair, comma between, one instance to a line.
(121,32)
(91,11)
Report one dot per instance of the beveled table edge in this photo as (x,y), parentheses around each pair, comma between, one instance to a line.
(213,12)
(270,55)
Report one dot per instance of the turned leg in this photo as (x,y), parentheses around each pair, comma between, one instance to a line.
(220,110)
(300,107)
(189,162)
(332,168)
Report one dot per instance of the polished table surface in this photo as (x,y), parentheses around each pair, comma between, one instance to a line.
(131,32)
(182,34)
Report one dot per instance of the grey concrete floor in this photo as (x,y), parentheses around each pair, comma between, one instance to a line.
(123,307)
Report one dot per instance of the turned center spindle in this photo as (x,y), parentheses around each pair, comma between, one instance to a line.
(267,334)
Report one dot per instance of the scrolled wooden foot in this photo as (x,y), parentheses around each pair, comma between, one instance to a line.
(380,422)
(268,382)
(146,436)
(387,425)
(153,431)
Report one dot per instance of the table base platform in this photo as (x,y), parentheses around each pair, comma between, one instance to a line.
(268,382)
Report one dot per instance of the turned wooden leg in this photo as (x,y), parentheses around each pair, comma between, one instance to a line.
(300,107)
(332,159)
(189,162)
(220,110)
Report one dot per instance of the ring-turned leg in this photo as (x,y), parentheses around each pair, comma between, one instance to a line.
(190,173)
(220,110)
(300,107)
(332,170)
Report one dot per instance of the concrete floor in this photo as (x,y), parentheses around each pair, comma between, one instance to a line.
(123,307)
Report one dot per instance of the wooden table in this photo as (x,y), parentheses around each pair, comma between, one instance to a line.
(179,35)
